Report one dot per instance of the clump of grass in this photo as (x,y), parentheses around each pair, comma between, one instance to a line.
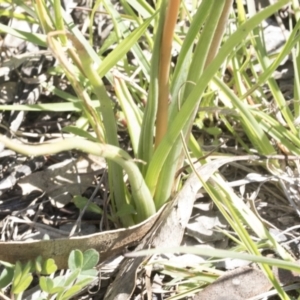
(176,95)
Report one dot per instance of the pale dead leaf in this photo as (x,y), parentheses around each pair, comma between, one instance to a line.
(244,283)
(239,284)
(203,227)
(232,263)
(63,180)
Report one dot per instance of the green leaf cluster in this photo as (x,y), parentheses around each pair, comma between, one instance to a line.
(80,274)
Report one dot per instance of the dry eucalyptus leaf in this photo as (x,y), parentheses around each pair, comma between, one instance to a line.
(63,180)
(108,244)
(244,283)
(203,227)
(239,284)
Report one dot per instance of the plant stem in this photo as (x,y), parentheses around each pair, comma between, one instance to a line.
(145,150)
(164,69)
(143,200)
(217,38)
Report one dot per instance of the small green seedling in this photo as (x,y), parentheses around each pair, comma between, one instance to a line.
(80,274)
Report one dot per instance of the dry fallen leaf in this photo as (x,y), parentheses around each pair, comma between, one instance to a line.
(244,283)
(239,284)
(202,227)
(108,244)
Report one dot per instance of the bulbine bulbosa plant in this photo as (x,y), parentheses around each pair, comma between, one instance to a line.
(173,92)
